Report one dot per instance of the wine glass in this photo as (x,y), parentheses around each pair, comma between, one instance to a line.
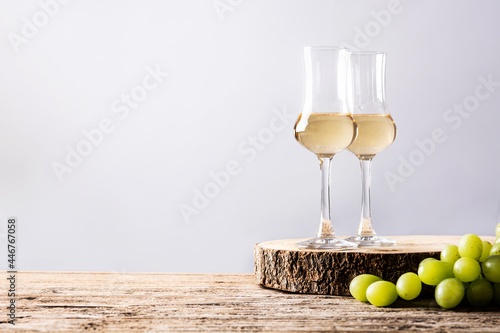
(376,131)
(326,127)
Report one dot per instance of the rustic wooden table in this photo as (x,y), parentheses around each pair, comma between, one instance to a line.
(65,301)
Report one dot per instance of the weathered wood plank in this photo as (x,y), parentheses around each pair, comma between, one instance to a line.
(68,301)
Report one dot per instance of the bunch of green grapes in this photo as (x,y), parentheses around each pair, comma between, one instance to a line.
(468,271)
(475,273)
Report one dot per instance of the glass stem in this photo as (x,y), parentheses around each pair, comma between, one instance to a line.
(325,228)
(365,226)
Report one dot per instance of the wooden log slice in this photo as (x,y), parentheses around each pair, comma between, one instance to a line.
(281,265)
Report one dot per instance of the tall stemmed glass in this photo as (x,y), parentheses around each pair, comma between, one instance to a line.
(376,131)
(326,127)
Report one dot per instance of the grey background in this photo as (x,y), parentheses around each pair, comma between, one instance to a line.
(229,72)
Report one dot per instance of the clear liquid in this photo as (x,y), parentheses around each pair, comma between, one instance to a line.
(325,134)
(375,133)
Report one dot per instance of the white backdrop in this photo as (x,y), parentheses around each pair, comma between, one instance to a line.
(116,115)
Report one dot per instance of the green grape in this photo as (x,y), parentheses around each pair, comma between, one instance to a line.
(381,293)
(491,268)
(449,293)
(470,246)
(423,262)
(409,286)
(450,254)
(486,250)
(359,285)
(497,230)
(479,293)
(426,260)
(495,250)
(466,269)
(497,240)
(434,271)
(496,293)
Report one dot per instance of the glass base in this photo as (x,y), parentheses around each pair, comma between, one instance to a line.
(327,243)
(371,241)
